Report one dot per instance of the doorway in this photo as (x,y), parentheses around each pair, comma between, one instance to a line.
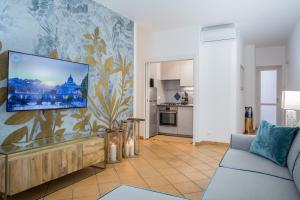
(169,83)
(268,94)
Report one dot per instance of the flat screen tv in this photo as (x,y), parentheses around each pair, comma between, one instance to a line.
(40,83)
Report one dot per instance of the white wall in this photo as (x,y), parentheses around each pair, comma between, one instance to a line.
(240,126)
(250,79)
(163,46)
(261,57)
(221,100)
(270,56)
(293,56)
(218,101)
(139,77)
(217,97)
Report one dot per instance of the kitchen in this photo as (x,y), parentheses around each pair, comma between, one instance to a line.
(170,98)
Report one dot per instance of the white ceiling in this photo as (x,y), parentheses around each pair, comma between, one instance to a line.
(262,22)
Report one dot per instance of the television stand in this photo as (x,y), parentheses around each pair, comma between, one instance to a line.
(24,167)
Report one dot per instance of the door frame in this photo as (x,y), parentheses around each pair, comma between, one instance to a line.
(280,87)
(146,97)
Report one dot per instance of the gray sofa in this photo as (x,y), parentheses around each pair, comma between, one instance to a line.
(245,176)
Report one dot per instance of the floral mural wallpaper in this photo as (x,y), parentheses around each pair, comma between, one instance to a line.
(81,31)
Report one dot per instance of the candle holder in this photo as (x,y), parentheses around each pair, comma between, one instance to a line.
(113,142)
(131,137)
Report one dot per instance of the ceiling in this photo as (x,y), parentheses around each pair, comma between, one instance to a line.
(261,22)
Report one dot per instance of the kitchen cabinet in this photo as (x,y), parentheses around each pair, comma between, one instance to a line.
(178,70)
(171,130)
(185,120)
(186,73)
(170,70)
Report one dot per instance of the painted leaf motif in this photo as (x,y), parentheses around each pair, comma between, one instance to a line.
(113,102)
(109,64)
(20,118)
(40,135)
(101,98)
(89,48)
(3,66)
(97,31)
(97,127)
(54,54)
(76,115)
(59,119)
(3,95)
(126,101)
(121,111)
(48,116)
(129,82)
(46,123)
(91,60)
(83,111)
(79,126)
(127,68)
(44,134)
(98,113)
(34,126)
(87,119)
(102,46)
(60,132)
(16,136)
(87,36)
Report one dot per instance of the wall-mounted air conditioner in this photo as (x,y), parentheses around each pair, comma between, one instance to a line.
(218,33)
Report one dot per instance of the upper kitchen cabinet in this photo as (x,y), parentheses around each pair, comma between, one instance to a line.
(170,70)
(186,73)
(178,70)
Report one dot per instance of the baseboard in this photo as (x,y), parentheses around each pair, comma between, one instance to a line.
(175,135)
(211,143)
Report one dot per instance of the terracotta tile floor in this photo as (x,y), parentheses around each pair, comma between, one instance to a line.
(166,164)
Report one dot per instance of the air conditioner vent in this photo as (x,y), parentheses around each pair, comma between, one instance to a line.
(218,33)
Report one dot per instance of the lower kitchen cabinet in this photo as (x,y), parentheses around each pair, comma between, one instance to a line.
(185,120)
(170,130)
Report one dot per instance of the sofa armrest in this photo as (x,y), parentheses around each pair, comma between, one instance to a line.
(241,142)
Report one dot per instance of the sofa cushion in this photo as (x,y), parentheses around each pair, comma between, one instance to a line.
(243,160)
(293,153)
(296,173)
(273,142)
(231,184)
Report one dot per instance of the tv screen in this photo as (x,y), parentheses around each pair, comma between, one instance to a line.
(39,83)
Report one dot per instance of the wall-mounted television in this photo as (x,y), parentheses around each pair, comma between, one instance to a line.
(41,83)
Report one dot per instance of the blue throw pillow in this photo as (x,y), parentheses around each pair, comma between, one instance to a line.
(273,142)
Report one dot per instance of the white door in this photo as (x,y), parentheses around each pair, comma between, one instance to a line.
(269,94)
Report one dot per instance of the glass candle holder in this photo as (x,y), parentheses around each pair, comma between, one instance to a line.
(131,137)
(113,142)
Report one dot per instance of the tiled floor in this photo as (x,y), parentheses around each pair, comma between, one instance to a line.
(166,164)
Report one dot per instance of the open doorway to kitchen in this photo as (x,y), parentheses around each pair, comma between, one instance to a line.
(169,98)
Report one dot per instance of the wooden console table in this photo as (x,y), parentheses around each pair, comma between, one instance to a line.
(44,160)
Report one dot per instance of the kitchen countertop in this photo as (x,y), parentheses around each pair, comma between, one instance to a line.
(178,105)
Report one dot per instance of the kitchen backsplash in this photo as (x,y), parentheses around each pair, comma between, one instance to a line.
(166,91)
